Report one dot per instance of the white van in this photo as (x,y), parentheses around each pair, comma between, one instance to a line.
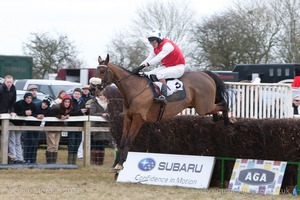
(49,87)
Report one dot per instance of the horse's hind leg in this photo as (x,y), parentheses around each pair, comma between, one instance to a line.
(224,108)
(216,117)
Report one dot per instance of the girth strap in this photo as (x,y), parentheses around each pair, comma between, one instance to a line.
(161,111)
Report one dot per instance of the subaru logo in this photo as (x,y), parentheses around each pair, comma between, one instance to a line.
(146,164)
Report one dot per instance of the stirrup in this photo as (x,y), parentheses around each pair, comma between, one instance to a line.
(161,99)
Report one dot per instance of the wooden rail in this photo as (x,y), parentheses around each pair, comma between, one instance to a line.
(87,129)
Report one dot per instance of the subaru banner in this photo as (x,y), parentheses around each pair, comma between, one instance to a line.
(167,169)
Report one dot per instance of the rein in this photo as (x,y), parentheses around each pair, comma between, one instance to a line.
(123,78)
(116,80)
(139,93)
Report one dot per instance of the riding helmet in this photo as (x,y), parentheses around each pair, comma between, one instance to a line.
(155,35)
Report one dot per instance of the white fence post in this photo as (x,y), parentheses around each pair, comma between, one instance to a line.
(259,101)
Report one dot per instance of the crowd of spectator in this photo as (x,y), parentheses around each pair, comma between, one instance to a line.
(23,145)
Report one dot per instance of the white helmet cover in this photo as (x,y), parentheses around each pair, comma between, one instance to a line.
(95,81)
(155,34)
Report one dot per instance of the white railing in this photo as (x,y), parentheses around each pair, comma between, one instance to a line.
(265,100)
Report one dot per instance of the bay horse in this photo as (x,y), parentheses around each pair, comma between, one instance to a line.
(205,92)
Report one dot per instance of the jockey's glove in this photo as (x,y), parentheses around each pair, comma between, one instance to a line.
(138,69)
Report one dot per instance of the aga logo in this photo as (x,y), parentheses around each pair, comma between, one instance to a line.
(256,176)
(146,164)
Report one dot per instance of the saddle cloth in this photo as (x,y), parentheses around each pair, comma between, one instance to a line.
(174,85)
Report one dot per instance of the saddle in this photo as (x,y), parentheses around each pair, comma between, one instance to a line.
(176,89)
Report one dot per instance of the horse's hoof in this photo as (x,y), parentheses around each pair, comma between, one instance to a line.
(233,120)
(116,176)
(118,167)
(113,170)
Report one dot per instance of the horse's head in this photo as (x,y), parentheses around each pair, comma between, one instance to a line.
(104,73)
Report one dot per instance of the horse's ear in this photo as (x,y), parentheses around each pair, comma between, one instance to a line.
(107,59)
(99,60)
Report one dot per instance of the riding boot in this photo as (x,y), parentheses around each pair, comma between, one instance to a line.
(93,157)
(49,157)
(101,157)
(54,159)
(72,157)
(163,97)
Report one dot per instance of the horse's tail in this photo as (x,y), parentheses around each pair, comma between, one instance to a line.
(221,97)
(221,89)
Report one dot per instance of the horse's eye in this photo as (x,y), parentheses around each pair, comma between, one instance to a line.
(102,71)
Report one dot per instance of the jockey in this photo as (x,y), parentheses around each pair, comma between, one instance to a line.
(171,58)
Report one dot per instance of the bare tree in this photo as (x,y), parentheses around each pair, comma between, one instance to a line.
(288,13)
(172,18)
(126,53)
(244,33)
(50,54)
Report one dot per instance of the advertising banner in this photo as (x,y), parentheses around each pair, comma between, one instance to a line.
(257,176)
(167,169)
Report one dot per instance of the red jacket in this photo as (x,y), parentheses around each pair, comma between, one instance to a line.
(173,58)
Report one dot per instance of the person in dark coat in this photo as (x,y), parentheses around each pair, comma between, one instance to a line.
(296,104)
(61,111)
(86,94)
(43,108)
(34,89)
(75,137)
(25,107)
(7,101)
(99,139)
(8,95)
(86,97)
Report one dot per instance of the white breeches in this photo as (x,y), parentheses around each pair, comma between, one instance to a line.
(163,72)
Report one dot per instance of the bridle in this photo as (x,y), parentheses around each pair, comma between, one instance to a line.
(105,82)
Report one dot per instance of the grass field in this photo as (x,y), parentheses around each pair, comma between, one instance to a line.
(96,182)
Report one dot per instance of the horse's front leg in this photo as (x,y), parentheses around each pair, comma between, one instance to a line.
(130,131)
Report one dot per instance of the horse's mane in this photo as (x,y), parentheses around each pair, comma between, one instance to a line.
(122,68)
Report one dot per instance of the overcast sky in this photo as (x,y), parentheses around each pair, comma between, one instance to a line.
(88,23)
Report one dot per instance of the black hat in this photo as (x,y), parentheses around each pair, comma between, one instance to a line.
(27,94)
(47,101)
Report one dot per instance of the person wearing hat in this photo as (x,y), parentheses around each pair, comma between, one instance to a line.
(34,89)
(86,97)
(94,82)
(24,107)
(296,105)
(61,111)
(42,110)
(75,137)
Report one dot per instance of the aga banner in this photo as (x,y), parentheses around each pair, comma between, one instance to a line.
(257,176)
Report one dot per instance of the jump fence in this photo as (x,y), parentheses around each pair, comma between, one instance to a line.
(246,100)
